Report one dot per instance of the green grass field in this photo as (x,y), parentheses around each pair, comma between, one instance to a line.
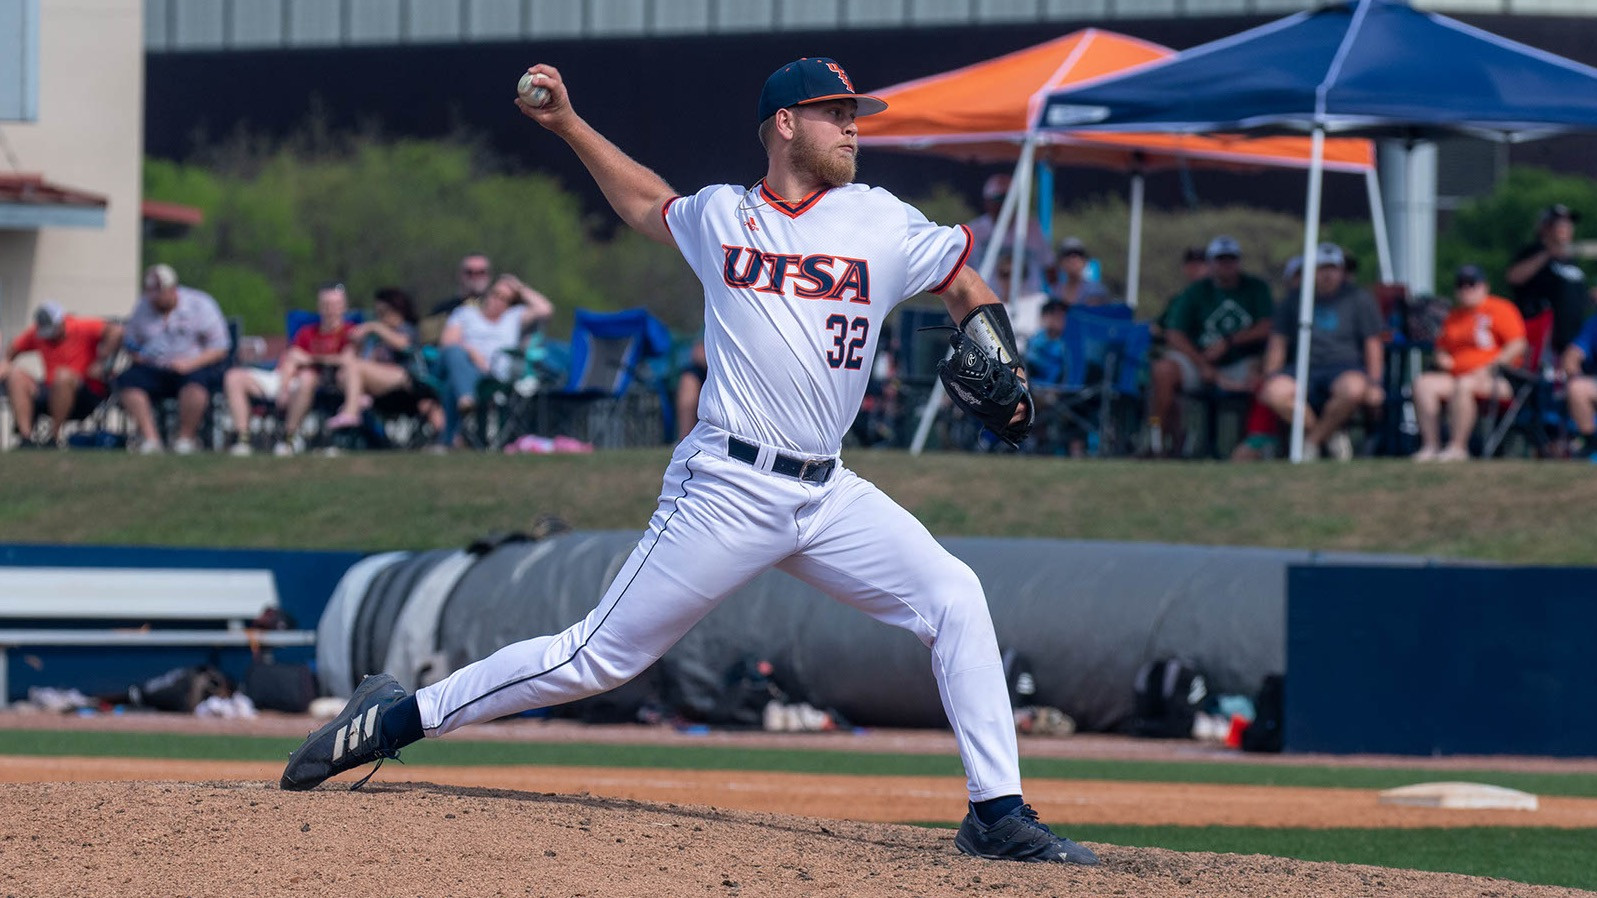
(469,753)
(1556,857)
(1519,512)
(1531,854)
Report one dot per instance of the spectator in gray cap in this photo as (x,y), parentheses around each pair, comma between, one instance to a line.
(179,344)
(1039,257)
(1345,357)
(1074,287)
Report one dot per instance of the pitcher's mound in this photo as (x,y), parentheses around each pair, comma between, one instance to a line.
(391,839)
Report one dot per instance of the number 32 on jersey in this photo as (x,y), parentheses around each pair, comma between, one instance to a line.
(848,341)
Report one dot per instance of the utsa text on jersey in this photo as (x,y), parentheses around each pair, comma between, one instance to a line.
(815,276)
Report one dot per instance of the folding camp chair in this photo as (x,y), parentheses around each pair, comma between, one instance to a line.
(1106,355)
(1530,411)
(613,395)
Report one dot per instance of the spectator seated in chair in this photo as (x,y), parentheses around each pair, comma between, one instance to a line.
(1579,364)
(1346,357)
(1039,256)
(179,344)
(76,353)
(315,354)
(1047,362)
(1480,335)
(1073,286)
(1215,331)
(476,338)
(377,368)
(473,278)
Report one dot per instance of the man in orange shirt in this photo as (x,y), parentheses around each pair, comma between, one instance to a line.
(74,351)
(1480,334)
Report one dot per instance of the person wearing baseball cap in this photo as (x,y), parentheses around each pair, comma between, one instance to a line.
(813,79)
(1214,335)
(1546,278)
(74,350)
(1482,334)
(1346,356)
(1039,255)
(799,273)
(1073,286)
(179,343)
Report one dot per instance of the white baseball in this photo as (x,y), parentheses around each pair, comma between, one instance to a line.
(530,93)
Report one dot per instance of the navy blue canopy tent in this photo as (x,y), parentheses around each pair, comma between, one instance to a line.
(1374,68)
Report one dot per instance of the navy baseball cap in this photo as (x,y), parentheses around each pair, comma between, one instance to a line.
(813,79)
(1469,274)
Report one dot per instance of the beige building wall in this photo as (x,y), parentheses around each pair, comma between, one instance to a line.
(89,136)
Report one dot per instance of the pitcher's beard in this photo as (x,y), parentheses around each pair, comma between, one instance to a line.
(822,163)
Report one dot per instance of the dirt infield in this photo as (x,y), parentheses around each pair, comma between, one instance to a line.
(885,799)
(248,839)
(127,826)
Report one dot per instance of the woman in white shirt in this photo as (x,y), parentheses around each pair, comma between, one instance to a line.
(475,339)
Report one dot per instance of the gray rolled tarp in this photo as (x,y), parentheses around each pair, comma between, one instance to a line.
(1085,614)
(333,631)
(413,655)
(386,597)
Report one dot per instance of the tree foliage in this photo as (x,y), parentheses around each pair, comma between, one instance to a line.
(368,213)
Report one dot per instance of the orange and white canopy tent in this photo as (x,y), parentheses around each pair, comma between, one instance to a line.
(985,112)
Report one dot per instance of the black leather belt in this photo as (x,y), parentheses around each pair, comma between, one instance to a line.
(803,468)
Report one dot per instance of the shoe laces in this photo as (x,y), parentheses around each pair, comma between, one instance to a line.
(383,754)
(1030,818)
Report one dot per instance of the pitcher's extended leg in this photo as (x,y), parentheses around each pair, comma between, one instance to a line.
(703,542)
(863,549)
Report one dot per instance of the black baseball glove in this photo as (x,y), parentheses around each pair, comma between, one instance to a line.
(984,386)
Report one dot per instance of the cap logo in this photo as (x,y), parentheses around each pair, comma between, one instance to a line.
(841,76)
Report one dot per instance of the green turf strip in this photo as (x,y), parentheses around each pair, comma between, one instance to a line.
(456,752)
(1540,855)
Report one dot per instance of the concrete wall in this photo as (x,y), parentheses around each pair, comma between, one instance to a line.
(89,136)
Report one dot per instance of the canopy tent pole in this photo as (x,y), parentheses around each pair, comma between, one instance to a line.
(1311,239)
(989,263)
(1022,222)
(1134,240)
(1419,215)
(1383,243)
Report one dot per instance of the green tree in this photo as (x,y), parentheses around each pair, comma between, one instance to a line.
(368,213)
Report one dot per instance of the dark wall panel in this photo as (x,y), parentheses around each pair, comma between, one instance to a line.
(1441,660)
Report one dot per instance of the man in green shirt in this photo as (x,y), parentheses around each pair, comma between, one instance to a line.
(1215,332)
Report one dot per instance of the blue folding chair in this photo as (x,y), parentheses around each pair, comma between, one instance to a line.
(608,348)
(614,393)
(1106,356)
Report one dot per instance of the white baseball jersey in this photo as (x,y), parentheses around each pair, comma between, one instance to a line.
(795,294)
